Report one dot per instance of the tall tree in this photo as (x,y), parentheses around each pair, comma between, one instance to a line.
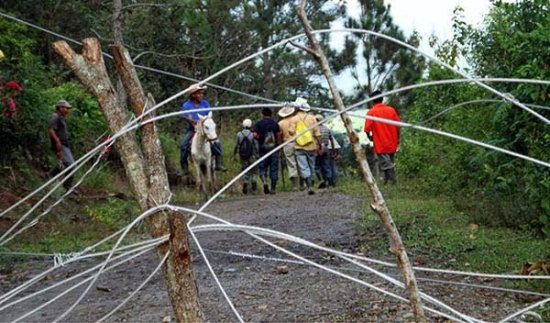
(515,42)
(387,64)
(498,189)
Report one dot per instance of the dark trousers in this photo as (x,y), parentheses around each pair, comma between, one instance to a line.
(323,168)
(271,163)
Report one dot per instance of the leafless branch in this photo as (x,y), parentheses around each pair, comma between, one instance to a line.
(307,49)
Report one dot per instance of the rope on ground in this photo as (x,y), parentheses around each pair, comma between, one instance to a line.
(436,281)
(525,310)
(214,276)
(48,210)
(134,292)
(275,234)
(135,247)
(125,257)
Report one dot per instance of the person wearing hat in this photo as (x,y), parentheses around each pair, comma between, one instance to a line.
(384,136)
(197,102)
(305,152)
(59,137)
(286,113)
(247,149)
(323,168)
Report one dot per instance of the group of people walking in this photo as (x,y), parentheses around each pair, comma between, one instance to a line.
(310,150)
(306,152)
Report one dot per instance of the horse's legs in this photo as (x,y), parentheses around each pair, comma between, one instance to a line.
(200,177)
(210,175)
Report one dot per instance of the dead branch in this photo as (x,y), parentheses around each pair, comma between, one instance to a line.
(379,205)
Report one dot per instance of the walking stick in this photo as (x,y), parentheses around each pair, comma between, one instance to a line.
(282,165)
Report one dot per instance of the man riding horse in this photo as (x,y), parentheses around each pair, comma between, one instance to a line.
(196,102)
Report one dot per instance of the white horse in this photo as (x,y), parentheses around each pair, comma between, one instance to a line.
(201,154)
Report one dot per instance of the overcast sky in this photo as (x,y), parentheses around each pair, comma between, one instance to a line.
(434,16)
(431,16)
(425,16)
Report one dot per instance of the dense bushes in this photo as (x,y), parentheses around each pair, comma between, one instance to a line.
(495,187)
(25,136)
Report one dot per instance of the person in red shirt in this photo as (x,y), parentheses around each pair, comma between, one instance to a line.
(384,136)
(9,110)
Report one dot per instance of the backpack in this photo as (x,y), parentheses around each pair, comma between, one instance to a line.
(269,140)
(246,148)
(306,138)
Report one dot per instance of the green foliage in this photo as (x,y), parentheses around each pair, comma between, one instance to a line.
(28,131)
(85,121)
(25,132)
(498,189)
(388,65)
(114,213)
(432,226)
(101,179)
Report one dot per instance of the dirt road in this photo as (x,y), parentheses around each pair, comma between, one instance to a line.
(269,287)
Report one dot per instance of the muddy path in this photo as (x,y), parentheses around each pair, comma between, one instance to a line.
(268,287)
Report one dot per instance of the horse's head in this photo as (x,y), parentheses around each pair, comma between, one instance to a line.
(208,127)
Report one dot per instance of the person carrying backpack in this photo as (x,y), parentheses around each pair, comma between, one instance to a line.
(323,167)
(246,147)
(307,145)
(267,132)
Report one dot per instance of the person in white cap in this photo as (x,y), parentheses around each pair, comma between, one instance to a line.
(59,137)
(307,144)
(286,113)
(196,101)
(247,149)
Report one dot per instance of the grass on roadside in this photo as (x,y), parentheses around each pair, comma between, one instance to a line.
(431,227)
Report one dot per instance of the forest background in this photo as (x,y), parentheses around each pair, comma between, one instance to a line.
(194,39)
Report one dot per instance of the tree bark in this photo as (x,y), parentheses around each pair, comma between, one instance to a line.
(178,271)
(379,205)
(146,172)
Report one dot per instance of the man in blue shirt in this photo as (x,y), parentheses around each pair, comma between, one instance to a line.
(266,132)
(196,101)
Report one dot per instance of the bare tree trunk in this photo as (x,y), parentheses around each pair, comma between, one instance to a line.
(116,23)
(379,205)
(178,271)
(149,183)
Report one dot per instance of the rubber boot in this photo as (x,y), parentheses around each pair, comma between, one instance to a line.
(294,184)
(245,188)
(266,187)
(219,164)
(273,186)
(390,176)
(254,186)
(184,168)
(309,183)
(302,184)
